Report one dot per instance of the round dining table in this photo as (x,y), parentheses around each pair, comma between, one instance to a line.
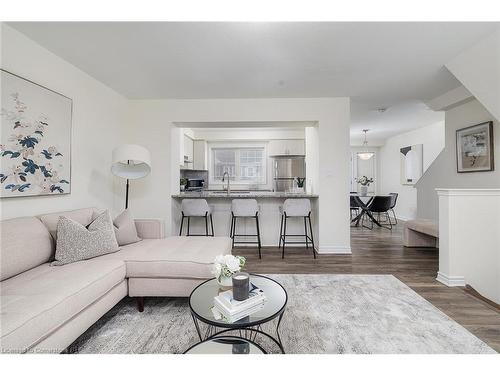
(364,206)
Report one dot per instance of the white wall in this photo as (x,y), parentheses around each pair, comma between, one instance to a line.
(312,157)
(432,138)
(151,124)
(443,172)
(98,122)
(478,69)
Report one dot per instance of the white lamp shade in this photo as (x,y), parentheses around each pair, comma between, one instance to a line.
(365,155)
(131,162)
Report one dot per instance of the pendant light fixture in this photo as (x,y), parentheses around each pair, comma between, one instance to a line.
(365,155)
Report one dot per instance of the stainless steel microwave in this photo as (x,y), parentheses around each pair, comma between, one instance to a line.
(195,184)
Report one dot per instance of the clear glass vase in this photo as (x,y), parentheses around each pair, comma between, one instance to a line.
(363,190)
(225,282)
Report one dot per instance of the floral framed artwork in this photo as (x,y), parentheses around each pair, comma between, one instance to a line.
(475,148)
(35,144)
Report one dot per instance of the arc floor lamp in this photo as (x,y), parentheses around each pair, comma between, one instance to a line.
(131,162)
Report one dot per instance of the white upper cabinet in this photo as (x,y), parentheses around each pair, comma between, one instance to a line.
(188,152)
(200,154)
(286,147)
(182,142)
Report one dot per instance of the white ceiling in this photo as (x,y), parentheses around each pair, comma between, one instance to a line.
(392,65)
(406,116)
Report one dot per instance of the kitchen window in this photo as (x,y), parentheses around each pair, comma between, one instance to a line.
(245,165)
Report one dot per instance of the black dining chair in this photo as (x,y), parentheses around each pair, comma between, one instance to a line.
(381,204)
(354,207)
(394,197)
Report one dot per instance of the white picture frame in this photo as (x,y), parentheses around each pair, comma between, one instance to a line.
(475,148)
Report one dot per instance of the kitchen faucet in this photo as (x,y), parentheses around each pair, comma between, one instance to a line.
(223,177)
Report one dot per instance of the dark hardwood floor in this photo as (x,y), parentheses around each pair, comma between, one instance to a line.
(380,251)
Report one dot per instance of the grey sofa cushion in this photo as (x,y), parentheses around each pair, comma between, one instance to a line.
(25,243)
(76,242)
(125,230)
(83,216)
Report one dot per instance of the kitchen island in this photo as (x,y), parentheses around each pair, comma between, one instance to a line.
(241,194)
(269,214)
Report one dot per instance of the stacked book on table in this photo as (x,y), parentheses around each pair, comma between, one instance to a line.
(234,310)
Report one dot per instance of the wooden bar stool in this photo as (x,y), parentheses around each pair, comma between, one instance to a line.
(296,208)
(196,208)
(241,208)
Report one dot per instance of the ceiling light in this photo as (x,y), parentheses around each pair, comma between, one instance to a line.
(365,155)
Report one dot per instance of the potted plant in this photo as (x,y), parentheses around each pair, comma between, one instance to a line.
(364,182)
(225,266)
(300,183)
(183,183)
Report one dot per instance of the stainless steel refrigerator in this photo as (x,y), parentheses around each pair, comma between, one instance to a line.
(285,169)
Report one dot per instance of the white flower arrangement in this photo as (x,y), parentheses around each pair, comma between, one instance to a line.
(364,181)
(227,265)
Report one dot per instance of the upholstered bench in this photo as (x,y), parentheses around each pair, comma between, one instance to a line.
(421,233)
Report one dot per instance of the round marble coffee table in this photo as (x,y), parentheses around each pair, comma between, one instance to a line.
(201,302)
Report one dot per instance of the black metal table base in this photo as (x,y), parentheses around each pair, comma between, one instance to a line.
(249,333)
(364,211)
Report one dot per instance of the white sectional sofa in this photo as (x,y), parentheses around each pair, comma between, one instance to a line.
(45,308)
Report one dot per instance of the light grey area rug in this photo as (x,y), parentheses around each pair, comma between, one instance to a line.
(325,314)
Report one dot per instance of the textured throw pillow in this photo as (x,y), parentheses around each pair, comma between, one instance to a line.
(125,230)
(76,242)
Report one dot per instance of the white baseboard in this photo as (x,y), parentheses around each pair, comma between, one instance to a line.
(334,250)
(450,280)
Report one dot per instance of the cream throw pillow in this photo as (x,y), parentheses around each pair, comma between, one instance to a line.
(76,242)
(125,230)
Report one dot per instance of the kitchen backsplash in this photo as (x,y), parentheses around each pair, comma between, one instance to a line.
(195,174)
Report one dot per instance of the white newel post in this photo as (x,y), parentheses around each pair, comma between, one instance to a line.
(469,239)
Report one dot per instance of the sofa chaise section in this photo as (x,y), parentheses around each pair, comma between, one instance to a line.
(171,266)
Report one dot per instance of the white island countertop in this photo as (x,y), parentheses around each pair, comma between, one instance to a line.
(242,194)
